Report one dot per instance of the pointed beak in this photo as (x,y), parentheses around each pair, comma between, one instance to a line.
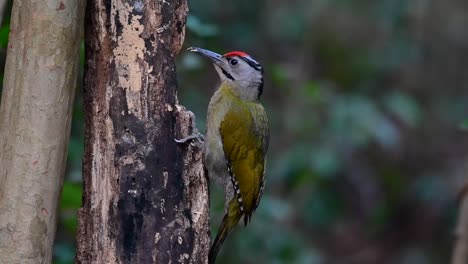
(213,56)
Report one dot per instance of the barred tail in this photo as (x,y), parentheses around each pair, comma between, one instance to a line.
(230,220)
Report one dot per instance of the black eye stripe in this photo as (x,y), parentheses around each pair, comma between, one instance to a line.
(253,64)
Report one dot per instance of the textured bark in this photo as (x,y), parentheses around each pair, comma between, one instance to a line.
(35,117)
(460,252)
(145,197)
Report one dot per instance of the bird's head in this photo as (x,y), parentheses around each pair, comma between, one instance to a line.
(239,70)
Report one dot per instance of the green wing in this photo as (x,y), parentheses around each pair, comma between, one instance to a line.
(244,132)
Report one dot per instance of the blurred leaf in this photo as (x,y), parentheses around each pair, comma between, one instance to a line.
(347,67)
(82,52)
(4,34)
(431,189)
(285,248)
(191,61)
(71,195)
(70,222)
(315,91)
(323,208)
(404,107)
(75,150)
(356,120)
(64,253)
(286,27)
(294,169)
(393,181)
(70,202)
(278,75)
(380,216)
(198,27)
(325,161)
(276,209)
(464,125)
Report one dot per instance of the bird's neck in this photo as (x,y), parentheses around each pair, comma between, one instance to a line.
(242,93)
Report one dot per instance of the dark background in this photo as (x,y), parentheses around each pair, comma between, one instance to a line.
(368,108)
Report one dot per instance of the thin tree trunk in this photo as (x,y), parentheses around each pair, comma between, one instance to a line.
(35,117)
(460,252)
(3,4)
(145,197)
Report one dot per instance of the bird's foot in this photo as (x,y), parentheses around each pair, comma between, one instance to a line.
(195,136)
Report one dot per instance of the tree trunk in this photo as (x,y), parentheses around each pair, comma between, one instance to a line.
(145,197)
(460,252)
(3,4)
(35,117)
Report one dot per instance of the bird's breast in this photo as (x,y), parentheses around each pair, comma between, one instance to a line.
(215,161)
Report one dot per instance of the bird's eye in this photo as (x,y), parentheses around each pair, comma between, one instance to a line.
(233,62)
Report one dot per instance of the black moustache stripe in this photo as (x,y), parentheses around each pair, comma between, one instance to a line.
(260,89)
(229,76)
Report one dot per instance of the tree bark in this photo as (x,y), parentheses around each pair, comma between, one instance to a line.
(145,197)
(35,117)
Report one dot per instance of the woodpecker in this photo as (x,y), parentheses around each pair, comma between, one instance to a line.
(236,139)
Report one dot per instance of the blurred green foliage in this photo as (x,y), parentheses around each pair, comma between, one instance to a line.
(368,108)
(367,121)
(4,32)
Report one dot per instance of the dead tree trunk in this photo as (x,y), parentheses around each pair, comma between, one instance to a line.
(145,197)
(35,115)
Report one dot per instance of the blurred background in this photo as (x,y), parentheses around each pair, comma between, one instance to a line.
(368,108)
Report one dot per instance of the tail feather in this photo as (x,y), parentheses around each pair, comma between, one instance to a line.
(228,223)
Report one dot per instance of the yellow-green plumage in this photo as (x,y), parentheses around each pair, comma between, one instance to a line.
(243,145)
(230,220)
(236,145)
(236,140)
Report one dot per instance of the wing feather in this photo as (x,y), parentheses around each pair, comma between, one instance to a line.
(244,134)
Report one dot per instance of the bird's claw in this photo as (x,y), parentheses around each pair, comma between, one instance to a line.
(195,136)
